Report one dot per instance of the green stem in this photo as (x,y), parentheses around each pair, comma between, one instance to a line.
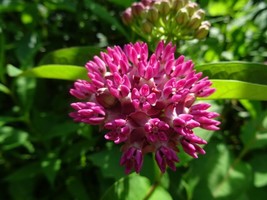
(153,187)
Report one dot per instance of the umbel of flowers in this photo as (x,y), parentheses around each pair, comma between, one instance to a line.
(168,20)
(147,103)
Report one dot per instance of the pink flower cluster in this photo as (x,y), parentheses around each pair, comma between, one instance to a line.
(146,103)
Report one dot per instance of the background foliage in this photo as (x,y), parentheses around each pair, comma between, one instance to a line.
(45,155)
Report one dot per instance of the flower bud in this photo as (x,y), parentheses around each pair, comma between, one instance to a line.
(152,14)
(200,13)
(137,9)
(194,22)
(191,7)
(147,26)
(203,30)
(178,4)
(182,16)
(127,17)
(164,7)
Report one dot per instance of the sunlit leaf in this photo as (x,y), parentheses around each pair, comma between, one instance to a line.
(63,72)
(13,71)
(232,89)
(135,187)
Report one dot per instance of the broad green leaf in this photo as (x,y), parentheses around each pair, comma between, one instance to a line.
(50,166)
(259,166)
(134,187)
(236,70)
(232,89)
(70,56)
(64,72)
(77,189)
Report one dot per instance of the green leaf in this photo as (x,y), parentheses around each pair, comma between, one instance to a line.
(125,3)
(134,187)
(64,72)
(254,132)
(76,188)
(70,56)
(11,138)
(13,71)
(2,54)
(232,89)
(108,162)
(259,166)
(50,166)
(26,48)
(103,14)
(28,171)
(218,175)
(4,89)
(236,70)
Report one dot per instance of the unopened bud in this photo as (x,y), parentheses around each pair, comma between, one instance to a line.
(127,17)
(152,14)
(147,2)
(194,22)
(191,8)
(200,13)
(147,26)
(202,32)
(164,7)
(182,16)
(137,9)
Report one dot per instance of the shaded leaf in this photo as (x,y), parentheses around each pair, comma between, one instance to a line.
(103,14)
(50,166)
(254,132)
(77,189)
(235,70)
(70,56)
(11,138)
(108,162)
(26,172)
(259,166)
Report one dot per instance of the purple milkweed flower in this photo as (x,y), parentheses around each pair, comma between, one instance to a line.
(146,103)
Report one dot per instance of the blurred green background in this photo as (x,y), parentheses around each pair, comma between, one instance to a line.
(45,155)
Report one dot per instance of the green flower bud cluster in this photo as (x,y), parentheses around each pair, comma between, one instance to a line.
(169,20)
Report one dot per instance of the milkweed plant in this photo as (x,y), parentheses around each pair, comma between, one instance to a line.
(154,109)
